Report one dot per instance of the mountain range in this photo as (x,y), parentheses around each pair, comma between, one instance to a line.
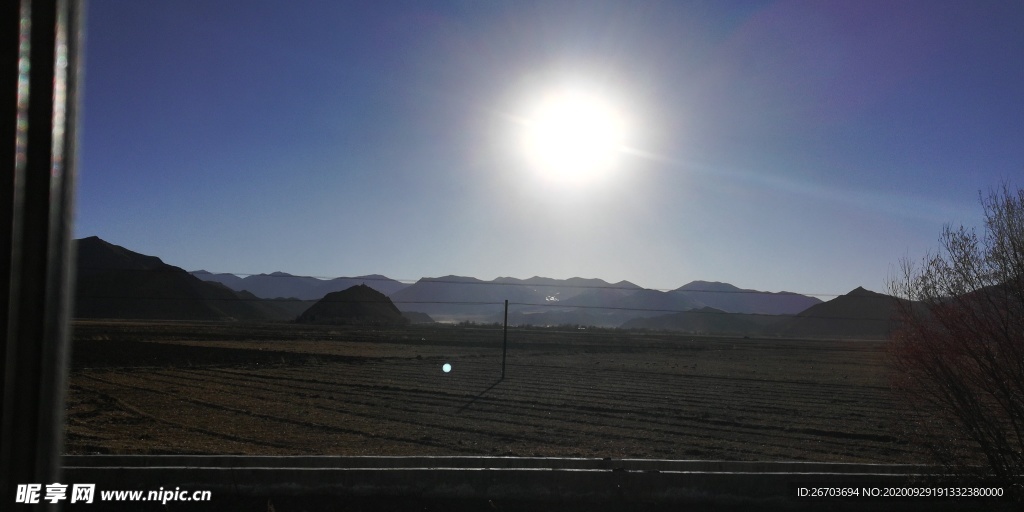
(546,301)
(727,297)
(281,284)
(114,282)
(427,293)
(858,314)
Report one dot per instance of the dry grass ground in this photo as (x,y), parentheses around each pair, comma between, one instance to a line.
(151,388)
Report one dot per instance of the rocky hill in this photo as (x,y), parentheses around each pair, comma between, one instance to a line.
(858,314)
(358,305)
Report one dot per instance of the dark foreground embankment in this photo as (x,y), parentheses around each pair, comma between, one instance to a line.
(494,483)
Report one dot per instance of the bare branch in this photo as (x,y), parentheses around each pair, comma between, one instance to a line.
(959,346)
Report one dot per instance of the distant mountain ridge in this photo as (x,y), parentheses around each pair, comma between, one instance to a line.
(461,297)
(727,297)
(281,284)
(547,301)
(536,300)
(114,282)
(858,314)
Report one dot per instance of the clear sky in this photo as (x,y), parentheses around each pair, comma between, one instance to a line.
(786,145)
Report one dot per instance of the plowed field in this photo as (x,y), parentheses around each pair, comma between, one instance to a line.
(152,388)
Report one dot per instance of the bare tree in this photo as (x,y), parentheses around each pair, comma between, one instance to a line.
(959,345)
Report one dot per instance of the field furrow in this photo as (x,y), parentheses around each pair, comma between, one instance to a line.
(564,394)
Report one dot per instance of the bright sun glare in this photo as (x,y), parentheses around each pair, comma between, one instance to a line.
(573,136)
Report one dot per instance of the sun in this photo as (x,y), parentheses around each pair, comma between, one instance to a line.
(573,136)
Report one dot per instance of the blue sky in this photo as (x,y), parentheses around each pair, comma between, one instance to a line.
(801,146)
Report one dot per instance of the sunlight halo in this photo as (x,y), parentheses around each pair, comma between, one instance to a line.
(573,136)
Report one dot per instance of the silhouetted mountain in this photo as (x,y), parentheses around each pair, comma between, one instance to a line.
(382,284)
(358,305)
(281,284)
(613,305)
(535,301)
(114,282)
(706,320)
(858,314)
(95,256)
(732,299)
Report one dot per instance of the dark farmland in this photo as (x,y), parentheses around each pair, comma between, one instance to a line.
(282,389)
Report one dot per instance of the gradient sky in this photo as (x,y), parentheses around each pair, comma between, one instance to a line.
(801,146)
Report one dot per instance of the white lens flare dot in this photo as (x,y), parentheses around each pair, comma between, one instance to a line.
(446,368)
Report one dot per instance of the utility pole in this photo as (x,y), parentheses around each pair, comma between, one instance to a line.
(504,343)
